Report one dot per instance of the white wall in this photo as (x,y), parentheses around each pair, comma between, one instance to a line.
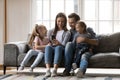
(18,22)
(1,29)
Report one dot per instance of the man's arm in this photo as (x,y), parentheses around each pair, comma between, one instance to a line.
(87,40)
(91,41)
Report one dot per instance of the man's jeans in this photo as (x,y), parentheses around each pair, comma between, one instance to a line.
(31,53)
(69,55)
(55,53)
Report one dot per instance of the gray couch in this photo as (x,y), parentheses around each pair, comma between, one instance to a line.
(107,54)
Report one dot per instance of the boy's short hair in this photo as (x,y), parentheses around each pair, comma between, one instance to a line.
(75,16)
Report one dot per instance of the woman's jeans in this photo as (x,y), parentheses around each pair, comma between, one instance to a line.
(31,53)
(53,54)
(69,55)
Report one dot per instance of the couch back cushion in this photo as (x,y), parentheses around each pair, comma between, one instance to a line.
(108,43)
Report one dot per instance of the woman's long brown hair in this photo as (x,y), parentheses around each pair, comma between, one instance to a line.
(65,23)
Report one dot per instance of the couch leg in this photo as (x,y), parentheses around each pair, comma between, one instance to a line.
(17,68)
(4,70)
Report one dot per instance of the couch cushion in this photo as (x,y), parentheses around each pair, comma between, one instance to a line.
(108,43)
(101,60)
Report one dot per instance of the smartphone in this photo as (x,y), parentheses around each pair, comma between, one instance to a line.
(53,37)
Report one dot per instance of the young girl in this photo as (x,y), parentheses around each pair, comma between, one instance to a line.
(55,50)
(81,47)
(38,41)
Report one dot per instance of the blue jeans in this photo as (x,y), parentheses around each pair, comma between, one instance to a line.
(69,55)
(80,49)
(31,53)
(84,61)
(53,54)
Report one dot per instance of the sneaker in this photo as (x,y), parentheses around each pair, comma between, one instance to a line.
(74,66)
(79,73)
(72,72)
(66,73)
(48,73)
(54,73)
(31,69)
(21,68)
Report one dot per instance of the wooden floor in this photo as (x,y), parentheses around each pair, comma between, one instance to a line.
(13,70)
(91,74)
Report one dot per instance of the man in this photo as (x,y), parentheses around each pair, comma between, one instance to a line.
(70,48)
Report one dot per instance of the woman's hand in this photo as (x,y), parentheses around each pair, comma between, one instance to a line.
(56,42)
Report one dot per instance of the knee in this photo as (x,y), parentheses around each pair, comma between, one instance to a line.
(48,47)
(69,43)
(86,55)
(31,51)
(41,53)
(58,47)
(48,50)
(83,56)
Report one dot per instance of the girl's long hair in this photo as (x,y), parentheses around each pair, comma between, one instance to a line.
(35,33)
(65,23)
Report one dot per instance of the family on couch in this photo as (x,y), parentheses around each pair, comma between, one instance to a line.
(62,42)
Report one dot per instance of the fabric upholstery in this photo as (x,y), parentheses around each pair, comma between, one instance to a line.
(108,43)
(107,53)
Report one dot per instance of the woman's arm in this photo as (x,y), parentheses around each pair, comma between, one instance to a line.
(66,38)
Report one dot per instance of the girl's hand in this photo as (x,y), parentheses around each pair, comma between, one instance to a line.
(49,44)
(34,48)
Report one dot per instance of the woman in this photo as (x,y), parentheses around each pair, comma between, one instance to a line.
(55,49)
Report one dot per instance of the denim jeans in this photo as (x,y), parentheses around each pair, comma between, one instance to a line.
(31,53)
(84,61)
(69,55)
(53,54)
(80,49)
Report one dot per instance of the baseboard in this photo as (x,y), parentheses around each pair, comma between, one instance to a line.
(1,67)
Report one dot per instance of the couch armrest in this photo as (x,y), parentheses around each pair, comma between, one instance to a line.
(12,50)
(119,50)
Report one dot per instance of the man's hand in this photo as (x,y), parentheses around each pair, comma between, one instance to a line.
(80,39)
(87,40)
